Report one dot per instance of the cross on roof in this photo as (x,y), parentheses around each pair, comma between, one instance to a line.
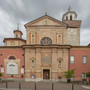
(17,26)
(69,9)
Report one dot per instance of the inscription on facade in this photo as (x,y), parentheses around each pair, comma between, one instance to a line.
(12,68)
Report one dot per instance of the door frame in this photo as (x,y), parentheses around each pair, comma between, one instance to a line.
(49,72)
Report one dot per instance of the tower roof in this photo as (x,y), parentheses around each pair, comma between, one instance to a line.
(69,11)
(18,31)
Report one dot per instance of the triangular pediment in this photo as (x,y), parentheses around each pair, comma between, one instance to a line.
(46,20)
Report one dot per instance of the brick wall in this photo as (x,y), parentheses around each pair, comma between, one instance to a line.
(5,53)
(78,65)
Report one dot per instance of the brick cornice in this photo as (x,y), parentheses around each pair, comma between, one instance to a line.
(10,47)
(14,39)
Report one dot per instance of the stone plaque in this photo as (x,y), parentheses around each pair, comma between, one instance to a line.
(12,68)
(2,70)
(22,70)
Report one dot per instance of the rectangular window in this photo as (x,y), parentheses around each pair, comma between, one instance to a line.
(72,59)
(84,59)
(83,76)
(0,54)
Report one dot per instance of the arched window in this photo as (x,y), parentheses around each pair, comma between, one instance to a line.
(46,41)
(12,58)
(66,17)
(70,17)
(16,35)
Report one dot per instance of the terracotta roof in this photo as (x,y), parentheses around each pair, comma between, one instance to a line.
(14,39)
(73,23)
(18,31)
(89,44)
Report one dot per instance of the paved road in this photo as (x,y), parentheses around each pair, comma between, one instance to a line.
(40,86)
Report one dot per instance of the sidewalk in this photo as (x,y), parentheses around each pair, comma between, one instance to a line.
(40,86)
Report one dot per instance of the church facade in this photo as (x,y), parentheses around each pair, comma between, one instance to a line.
(51,48)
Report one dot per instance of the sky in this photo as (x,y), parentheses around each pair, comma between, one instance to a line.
(24,11)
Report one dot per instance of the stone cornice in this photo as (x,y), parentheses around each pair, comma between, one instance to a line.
(47,46)
(46,16)
(46,26)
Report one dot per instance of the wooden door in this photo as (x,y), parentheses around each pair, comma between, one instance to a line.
(46,74)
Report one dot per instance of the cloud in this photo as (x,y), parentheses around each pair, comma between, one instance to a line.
(85,36)
(24,11)
(7,25)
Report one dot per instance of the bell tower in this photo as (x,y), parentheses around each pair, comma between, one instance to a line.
(73,30)
(17,33)
(69,15)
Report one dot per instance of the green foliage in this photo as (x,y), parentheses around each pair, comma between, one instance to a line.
(69,74)
(22,76)
(11,75)
(88,74)
(0,74)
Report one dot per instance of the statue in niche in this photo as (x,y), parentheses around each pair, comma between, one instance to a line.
(33,62)
(59,62)
(59,38)
(46,41)
(33,38)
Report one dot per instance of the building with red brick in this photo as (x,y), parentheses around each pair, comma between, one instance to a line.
(80,61)
(51,48)
(13,56)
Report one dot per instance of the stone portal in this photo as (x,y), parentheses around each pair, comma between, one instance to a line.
(46,74)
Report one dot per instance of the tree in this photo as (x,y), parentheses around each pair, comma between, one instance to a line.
(0,74)
(88,75)
(69,74)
